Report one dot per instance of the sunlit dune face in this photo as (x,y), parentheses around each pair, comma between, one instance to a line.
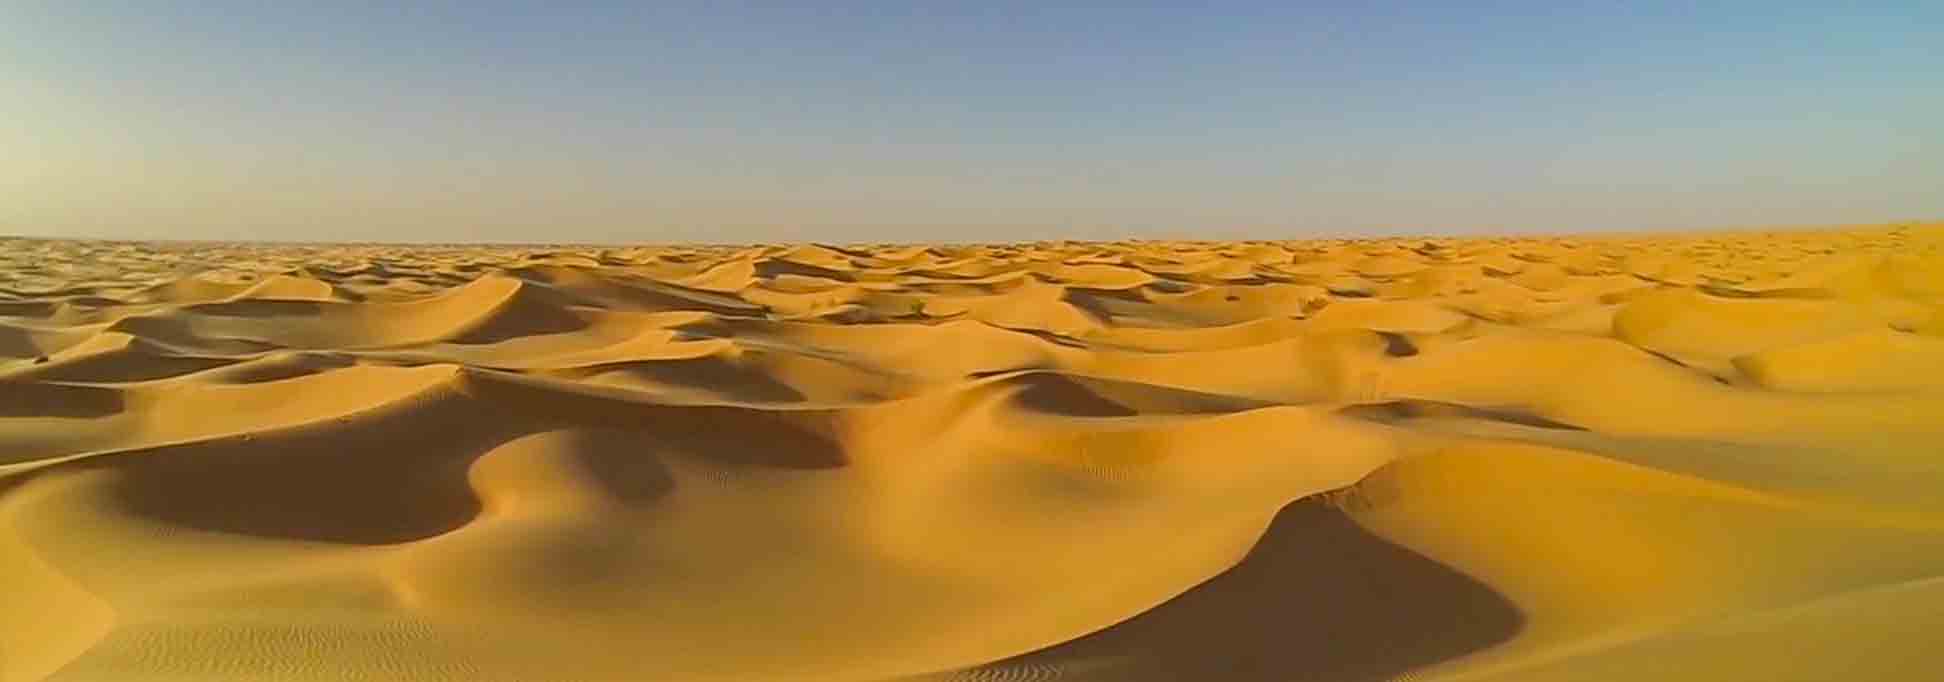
(1503,459)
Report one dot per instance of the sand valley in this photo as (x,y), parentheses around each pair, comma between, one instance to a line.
(1707,456)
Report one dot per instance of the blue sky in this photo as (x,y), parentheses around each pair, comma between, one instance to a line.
(866,121)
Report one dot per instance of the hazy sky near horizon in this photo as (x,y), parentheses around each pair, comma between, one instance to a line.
(912,121)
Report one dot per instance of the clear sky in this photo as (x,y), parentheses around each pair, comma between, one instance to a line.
(862,121)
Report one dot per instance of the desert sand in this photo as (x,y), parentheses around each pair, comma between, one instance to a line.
(1707,456)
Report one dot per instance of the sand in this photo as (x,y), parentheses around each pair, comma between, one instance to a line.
(1622,457)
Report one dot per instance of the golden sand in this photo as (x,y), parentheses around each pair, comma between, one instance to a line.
(1706,457)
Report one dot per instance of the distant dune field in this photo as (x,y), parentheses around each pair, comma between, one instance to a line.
(1701,457)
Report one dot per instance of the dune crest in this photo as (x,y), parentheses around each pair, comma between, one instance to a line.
(1612,457)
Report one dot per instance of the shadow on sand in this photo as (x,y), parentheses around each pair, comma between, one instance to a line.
(1318,598)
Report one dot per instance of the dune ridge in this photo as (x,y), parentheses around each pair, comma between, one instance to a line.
(1537,458)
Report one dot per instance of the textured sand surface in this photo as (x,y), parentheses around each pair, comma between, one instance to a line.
(1706,457)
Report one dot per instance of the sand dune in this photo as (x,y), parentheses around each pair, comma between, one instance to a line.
(1709,456)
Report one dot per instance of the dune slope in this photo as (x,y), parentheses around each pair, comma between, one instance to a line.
(1592,458)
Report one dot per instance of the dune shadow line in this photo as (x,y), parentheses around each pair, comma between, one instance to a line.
(1318,598)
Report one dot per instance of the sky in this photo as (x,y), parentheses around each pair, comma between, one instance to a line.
(856,121)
